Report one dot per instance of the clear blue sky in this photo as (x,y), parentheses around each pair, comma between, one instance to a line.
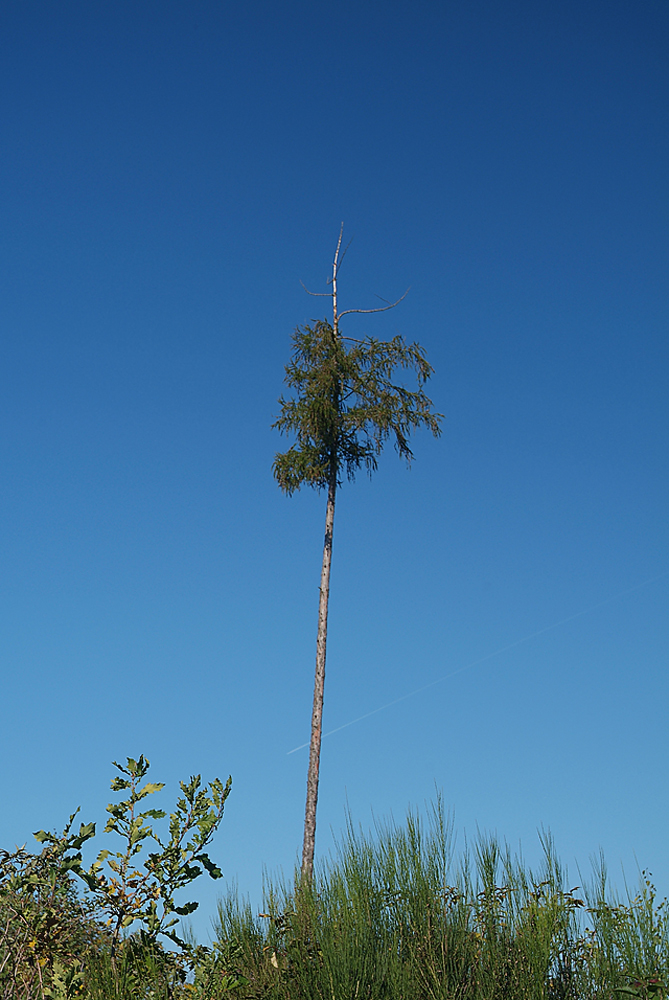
(170,171)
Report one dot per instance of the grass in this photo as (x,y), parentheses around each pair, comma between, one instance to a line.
(392,915)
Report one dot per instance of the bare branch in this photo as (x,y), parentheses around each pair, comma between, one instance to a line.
(380,309)
(341,259)
(326,294)
(336,256)
(335,267)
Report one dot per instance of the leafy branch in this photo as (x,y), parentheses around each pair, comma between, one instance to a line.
(131,892)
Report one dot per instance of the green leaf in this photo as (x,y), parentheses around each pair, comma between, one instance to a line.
(120,784)
(149,788)
(154,814)
(187,908)
(213,870)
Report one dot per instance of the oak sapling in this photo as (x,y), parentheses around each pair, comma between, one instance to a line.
(129,892)
(346,404)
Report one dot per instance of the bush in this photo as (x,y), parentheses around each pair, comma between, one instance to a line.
(56,942)
(46,928)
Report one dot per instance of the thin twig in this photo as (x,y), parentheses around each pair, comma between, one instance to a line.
(380,309)
(326,294)
(341,259)
(341,233)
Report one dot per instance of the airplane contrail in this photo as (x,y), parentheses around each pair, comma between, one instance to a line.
(488,656)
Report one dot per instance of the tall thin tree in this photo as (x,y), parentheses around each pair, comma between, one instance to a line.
(345,406)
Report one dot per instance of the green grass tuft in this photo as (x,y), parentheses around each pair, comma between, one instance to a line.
(393,915)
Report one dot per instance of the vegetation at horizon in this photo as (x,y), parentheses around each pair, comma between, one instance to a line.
(392,914)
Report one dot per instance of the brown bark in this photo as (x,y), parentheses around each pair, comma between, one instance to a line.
(319,686)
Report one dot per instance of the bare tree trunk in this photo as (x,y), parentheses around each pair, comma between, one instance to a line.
(319,685)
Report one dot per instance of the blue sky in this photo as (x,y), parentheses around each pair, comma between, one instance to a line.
(170,173)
